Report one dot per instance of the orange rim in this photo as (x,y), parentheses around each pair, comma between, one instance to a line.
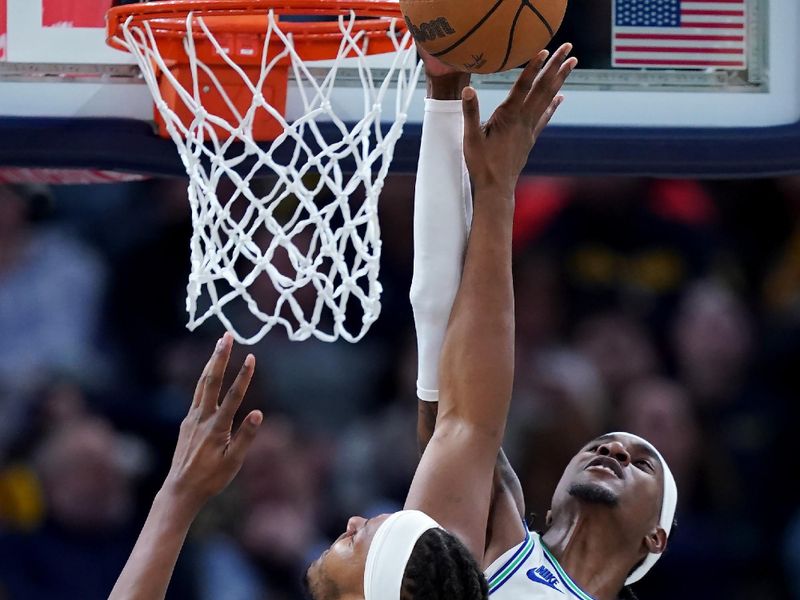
(167,20)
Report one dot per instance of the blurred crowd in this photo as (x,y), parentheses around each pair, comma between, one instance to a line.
(670,309)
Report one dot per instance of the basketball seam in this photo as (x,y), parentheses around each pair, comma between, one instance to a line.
(535,10)
(523,4)
(466,36)
(511,35)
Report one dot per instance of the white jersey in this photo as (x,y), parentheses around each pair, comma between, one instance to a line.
(530,571)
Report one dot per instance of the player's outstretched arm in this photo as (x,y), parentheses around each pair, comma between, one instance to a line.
(207,458)
(442,219)
(454,480)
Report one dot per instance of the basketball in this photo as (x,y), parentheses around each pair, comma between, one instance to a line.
(483,36)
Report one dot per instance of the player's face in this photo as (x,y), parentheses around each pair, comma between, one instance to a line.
(342,565)
(618,472)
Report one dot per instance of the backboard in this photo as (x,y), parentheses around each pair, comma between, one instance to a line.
(667,87)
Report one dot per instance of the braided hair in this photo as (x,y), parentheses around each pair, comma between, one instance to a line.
(441,568)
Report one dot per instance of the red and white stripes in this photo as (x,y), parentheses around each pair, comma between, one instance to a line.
(711,34)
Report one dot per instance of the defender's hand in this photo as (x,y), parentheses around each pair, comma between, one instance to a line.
(207,456)
(496,152)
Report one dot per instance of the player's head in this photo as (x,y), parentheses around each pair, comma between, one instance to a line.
(404,556)
(623,479)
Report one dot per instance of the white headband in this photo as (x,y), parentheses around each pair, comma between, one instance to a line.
(389,553)
(668,505)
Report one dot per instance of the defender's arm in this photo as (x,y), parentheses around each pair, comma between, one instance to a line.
(454,480)
(207,457)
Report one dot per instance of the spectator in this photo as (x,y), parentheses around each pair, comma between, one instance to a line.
(51,287)
(539,303)
(619,347)
(50,291)
(660,411)
(632,244)
(276,528)
(78,551)
(740,411)
(713,342)
(614,293)
(715,535)
(559,403)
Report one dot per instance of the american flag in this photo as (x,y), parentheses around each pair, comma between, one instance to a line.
(679,34)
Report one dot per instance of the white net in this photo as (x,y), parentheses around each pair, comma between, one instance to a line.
(302,252)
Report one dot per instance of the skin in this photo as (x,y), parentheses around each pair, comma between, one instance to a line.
(596,544)
(473,408)
(455,480)
(207,458)
(343,563)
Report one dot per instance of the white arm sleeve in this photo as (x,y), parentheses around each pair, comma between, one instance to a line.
(442,218)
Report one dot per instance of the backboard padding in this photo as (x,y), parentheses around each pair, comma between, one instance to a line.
(69,72)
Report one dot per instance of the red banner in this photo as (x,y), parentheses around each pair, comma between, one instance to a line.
(64,176)
(74,13)
(3,29)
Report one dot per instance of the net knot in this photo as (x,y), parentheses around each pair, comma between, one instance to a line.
(301,250)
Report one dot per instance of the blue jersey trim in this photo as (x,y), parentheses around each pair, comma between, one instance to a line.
(513,556)
(527,548)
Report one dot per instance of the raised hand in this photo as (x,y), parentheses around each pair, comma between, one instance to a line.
(496,152)
(208,456)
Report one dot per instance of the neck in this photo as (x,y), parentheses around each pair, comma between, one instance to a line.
(589,548)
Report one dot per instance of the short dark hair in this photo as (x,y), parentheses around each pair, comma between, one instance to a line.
(441,568)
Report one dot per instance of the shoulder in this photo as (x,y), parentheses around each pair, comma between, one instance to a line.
(512,561)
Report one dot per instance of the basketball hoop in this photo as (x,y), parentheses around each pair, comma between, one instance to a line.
(219,74)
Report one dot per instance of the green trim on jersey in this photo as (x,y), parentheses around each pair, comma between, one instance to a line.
(499,578)
(573,587)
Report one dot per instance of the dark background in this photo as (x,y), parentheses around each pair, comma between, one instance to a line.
(670,308)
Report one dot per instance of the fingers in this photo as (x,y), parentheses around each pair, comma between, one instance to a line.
(198,390)
(553,65)
(472,117)
(522,87)
(244,437)
(233,399)
(212,380)
(549,82)
(565,70)
(548,114)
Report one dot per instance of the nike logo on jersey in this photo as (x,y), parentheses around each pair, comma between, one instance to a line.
(545,577)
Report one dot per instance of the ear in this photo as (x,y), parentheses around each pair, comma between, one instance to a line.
(548,519)
(656,541)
